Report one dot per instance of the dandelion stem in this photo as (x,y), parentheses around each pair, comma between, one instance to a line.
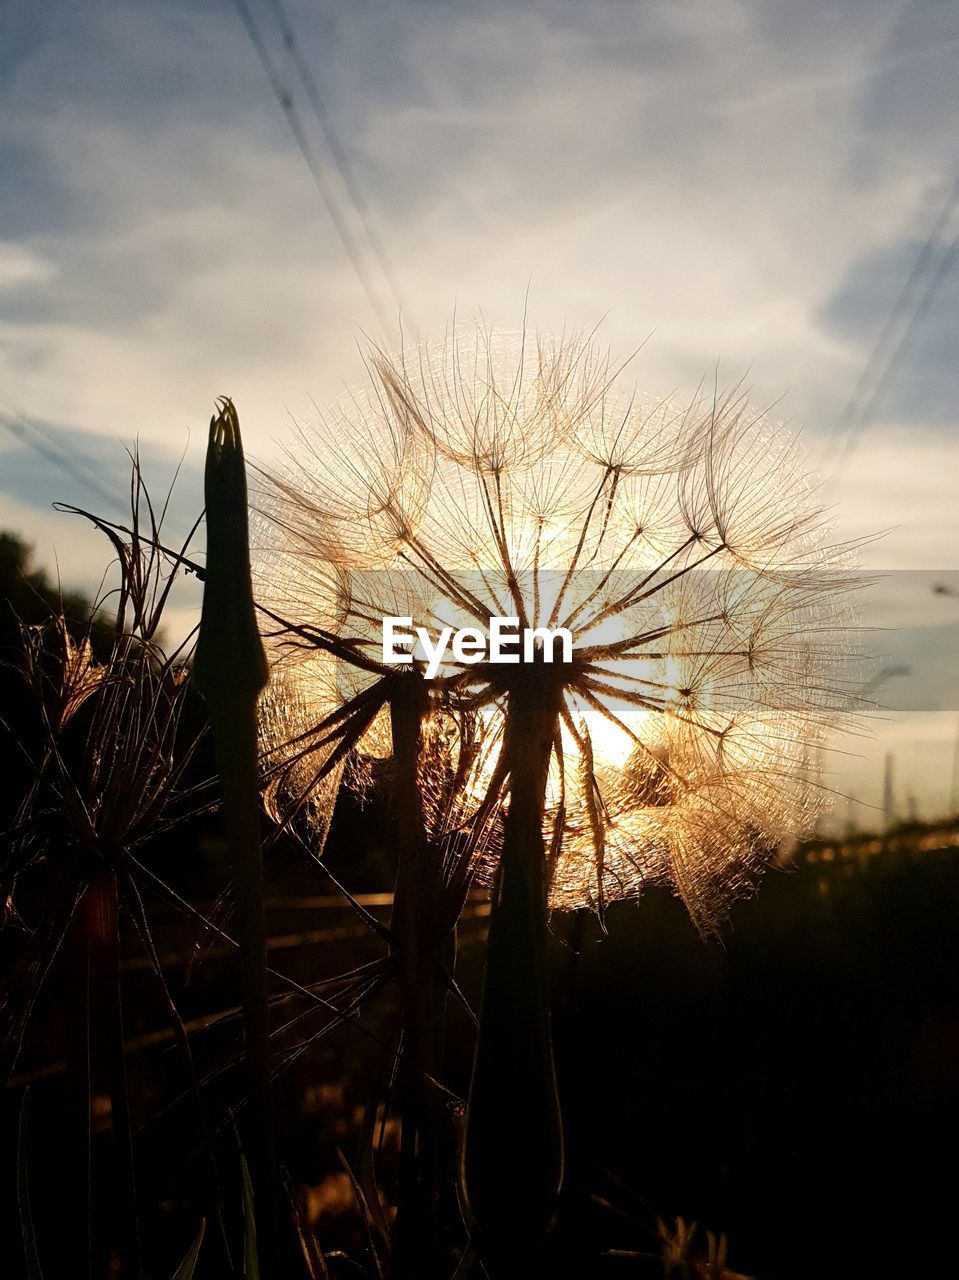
(513,1151)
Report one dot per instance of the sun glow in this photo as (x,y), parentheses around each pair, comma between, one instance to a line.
(683,549)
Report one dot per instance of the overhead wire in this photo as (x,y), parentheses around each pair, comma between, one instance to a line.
(929,270)
(337,150)
(284,98)
(35,435)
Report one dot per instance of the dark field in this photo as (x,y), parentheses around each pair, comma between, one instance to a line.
(794,1088)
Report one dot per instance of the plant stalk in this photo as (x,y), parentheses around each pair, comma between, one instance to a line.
(512,1163)
(416,1248)
(230,671)
(106,1214)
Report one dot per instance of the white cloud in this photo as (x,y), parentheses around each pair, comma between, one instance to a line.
(705,189)
(20,265)
(901,483)
(710,172)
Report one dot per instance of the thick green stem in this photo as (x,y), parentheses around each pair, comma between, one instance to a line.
(230,671)
(235,739)
(513,1151)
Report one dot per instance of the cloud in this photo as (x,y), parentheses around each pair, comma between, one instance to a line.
(747,183)
(21,265)
(899,483)
(691,171)
(43,462)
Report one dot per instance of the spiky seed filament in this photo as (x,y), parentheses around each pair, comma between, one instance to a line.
(683,545)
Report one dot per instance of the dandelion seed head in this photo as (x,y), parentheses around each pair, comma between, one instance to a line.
(685,548)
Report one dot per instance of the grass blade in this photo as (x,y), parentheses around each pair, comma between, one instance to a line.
(309,1245)
(31,1256)
(251,1266)
(186,1268)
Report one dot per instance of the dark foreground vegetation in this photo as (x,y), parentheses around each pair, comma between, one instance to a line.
(783,1105)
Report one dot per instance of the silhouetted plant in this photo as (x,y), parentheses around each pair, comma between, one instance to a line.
(686,551)
(229,668)
(108,745)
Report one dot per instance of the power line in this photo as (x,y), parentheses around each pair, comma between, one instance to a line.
(29,431)
(74,457)
(903,301)
(337,150)
(907,312)
(288,107)
(921,308)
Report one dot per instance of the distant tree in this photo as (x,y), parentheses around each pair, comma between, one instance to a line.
(28,598)
(27,595)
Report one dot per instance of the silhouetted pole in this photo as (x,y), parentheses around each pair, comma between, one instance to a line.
(888,800)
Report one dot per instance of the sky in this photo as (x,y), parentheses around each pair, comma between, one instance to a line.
(756,185)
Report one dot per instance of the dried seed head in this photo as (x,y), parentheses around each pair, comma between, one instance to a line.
(684,548)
